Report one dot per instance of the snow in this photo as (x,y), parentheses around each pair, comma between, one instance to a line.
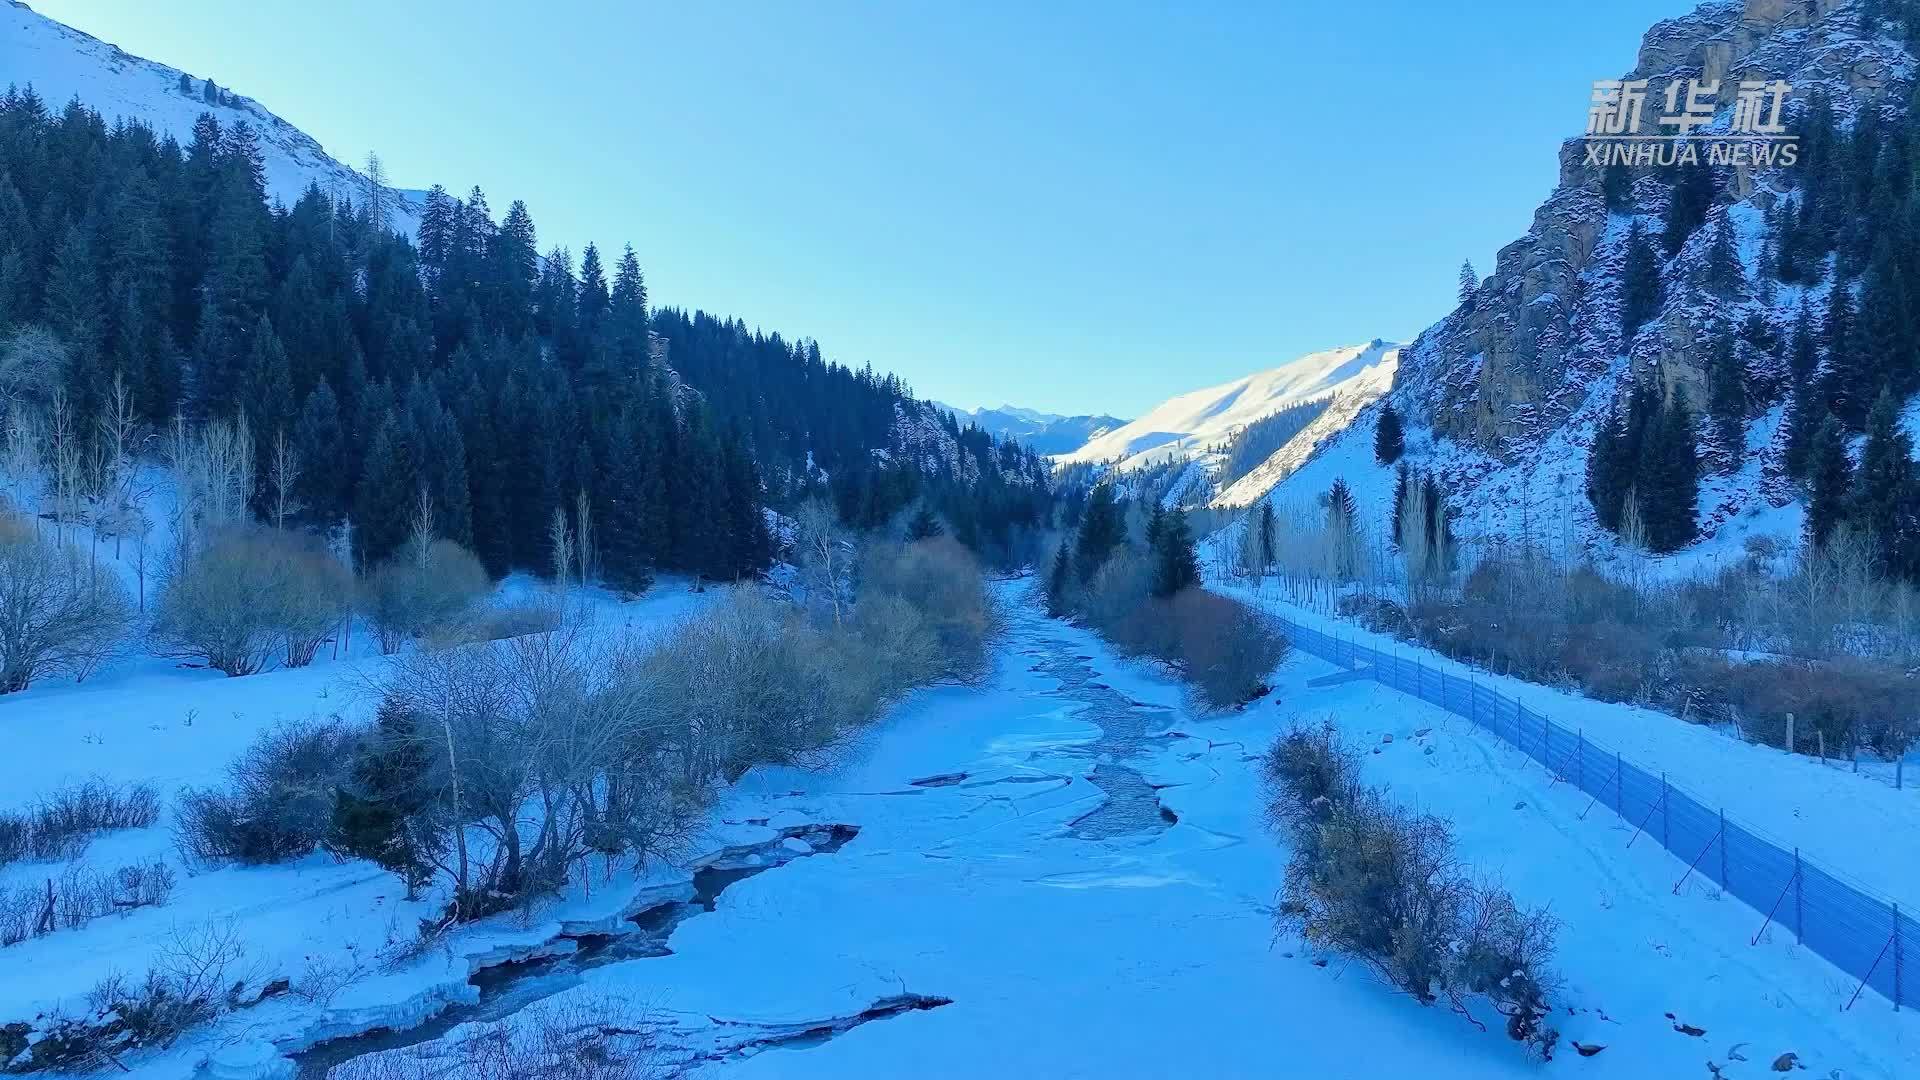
(62,63)
(1185,425)
(157,722)
(1156,954)
(1857,826)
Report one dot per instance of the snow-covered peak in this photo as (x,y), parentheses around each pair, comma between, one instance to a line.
(62,63)
(1183,426)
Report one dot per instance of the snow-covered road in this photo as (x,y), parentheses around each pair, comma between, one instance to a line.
(1065,951)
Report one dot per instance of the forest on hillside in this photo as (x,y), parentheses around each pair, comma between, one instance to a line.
(147,286)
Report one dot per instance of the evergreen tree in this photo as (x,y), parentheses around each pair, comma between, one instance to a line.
(1060,581)
(1884,502)
(1725,278)
(1688,207)
(1616,188)
(1401,489)
(1805,410)
(387,812)
(1640,294)
(1727,400)
(1668,483)
(1267,539)
(1101,530)
(1389,440)
(1469,283)
(923,525)
(1829,481)
(1176,565)
(319,443)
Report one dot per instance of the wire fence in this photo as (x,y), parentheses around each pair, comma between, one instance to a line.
(1863,935)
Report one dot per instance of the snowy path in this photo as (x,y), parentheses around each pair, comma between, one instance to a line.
(1150,951)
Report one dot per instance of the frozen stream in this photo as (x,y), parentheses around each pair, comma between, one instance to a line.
(1063,872)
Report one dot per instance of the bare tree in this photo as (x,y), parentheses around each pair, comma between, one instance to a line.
(53,619)
(826,556)
(283,479)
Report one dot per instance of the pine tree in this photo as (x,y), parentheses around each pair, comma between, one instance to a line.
(1176,565)
(1060,582)
(1267,538)
(1389,440)
(1640,294)
(923,525)
(1616,188)
(1724,275)
(1101,530)
(1805,410)
(320,443)
(387,812)
(1727,400)
(1668,481)
(1469,283)
(1883,495)
(1829,481)
(1688,207)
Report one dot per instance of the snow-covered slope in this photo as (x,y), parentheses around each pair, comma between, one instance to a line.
(1182,427)
(61,63)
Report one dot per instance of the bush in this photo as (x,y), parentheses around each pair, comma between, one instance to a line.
(416,594)
(82,895)
(1383,885)
(279,804)
(58,616)
(388,808)
(595,1039)
(188,984)
(248,595)
(940,580)
(1225,648)
(1308,772)
(60,824)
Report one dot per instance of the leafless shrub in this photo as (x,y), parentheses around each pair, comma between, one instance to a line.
(422,591)
(58,616)
(60,824)
(249,595)
(190,982)
(279,804)
(940,580)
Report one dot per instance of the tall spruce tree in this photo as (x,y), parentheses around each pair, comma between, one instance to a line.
(1176,565)
(1829,482)
(1640,288)
(1389,439)
(1884,501)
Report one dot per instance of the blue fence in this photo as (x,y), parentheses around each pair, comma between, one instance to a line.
(1863,935)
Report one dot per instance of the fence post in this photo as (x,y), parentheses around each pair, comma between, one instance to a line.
(1580,759)
(1665,817)
(1799,912)
(1723,851)
(1619,796)
(1896,956)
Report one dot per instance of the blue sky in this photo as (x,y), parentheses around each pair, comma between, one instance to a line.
(1080,207)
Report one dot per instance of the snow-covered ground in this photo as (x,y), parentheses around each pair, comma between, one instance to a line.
(1154,953)
(158,722)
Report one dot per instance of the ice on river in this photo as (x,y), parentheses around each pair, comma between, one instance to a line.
(1152,951)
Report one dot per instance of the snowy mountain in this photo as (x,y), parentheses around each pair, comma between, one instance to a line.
(1048,433)
(1502,397)
(1182,446)
(61,63)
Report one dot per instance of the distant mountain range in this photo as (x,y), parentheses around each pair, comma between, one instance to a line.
(1047,433)
(1192,434)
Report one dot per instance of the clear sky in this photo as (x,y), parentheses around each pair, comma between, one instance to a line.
(1073,206)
